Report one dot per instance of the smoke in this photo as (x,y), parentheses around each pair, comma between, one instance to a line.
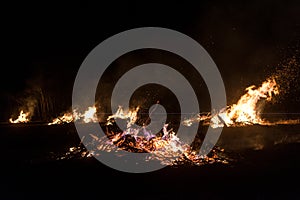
(34,100)
(27,102)
(30,105)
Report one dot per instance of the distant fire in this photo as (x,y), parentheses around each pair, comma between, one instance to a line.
(22,118)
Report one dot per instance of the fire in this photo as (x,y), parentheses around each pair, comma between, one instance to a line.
(130,115)
(244,112)
(165,146)
(22,118)
(66,118)
(88,116)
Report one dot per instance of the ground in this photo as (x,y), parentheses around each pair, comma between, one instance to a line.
(30,169)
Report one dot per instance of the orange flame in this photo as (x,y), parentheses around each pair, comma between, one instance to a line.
(130,115)
(167,148)
(88,116)
(244,112)
(65,118)
(22,118)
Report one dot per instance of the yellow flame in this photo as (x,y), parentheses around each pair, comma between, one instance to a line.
(66,118)
(22,118)
(130,115)
(90,115)
(167,148)
(244,112)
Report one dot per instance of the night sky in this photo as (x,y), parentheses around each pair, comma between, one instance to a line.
(44,44)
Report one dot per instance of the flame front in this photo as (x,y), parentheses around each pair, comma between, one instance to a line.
(244,112)
(66,118)
(88,116)
(165,146)
(22,118)
(130,116)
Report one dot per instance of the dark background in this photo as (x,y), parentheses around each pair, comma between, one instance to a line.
(44,44)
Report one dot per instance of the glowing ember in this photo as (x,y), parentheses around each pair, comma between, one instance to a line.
(165,146)
(22,118)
